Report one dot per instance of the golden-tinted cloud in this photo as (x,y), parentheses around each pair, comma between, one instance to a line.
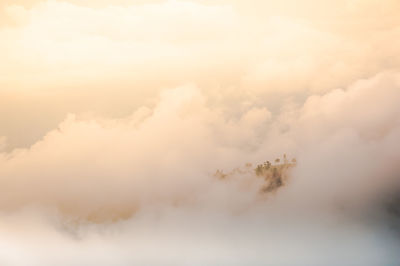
(114,115)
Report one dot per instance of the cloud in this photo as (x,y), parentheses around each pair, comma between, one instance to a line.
(117,115)
(363,118)
(146,180)
(129,160)
(2,143)
(103,57)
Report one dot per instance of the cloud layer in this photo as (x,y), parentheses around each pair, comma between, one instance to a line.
(62,57)
(115,115)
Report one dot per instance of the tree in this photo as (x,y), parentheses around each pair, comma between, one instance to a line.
(259,170)
(277,160)
(285,160)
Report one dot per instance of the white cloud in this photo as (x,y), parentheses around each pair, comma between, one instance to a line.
(156,165)
(126,177)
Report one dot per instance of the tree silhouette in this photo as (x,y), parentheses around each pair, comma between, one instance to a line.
(285,160)
(259,170)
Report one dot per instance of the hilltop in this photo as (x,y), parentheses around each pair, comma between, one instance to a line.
(275,175)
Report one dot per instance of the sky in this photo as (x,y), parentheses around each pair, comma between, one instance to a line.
(114,115)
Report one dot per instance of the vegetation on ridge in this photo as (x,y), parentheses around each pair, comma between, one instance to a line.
(274,175)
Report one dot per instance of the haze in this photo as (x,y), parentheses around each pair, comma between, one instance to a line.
(115,115)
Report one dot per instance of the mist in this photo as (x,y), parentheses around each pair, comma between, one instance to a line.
(131,133)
